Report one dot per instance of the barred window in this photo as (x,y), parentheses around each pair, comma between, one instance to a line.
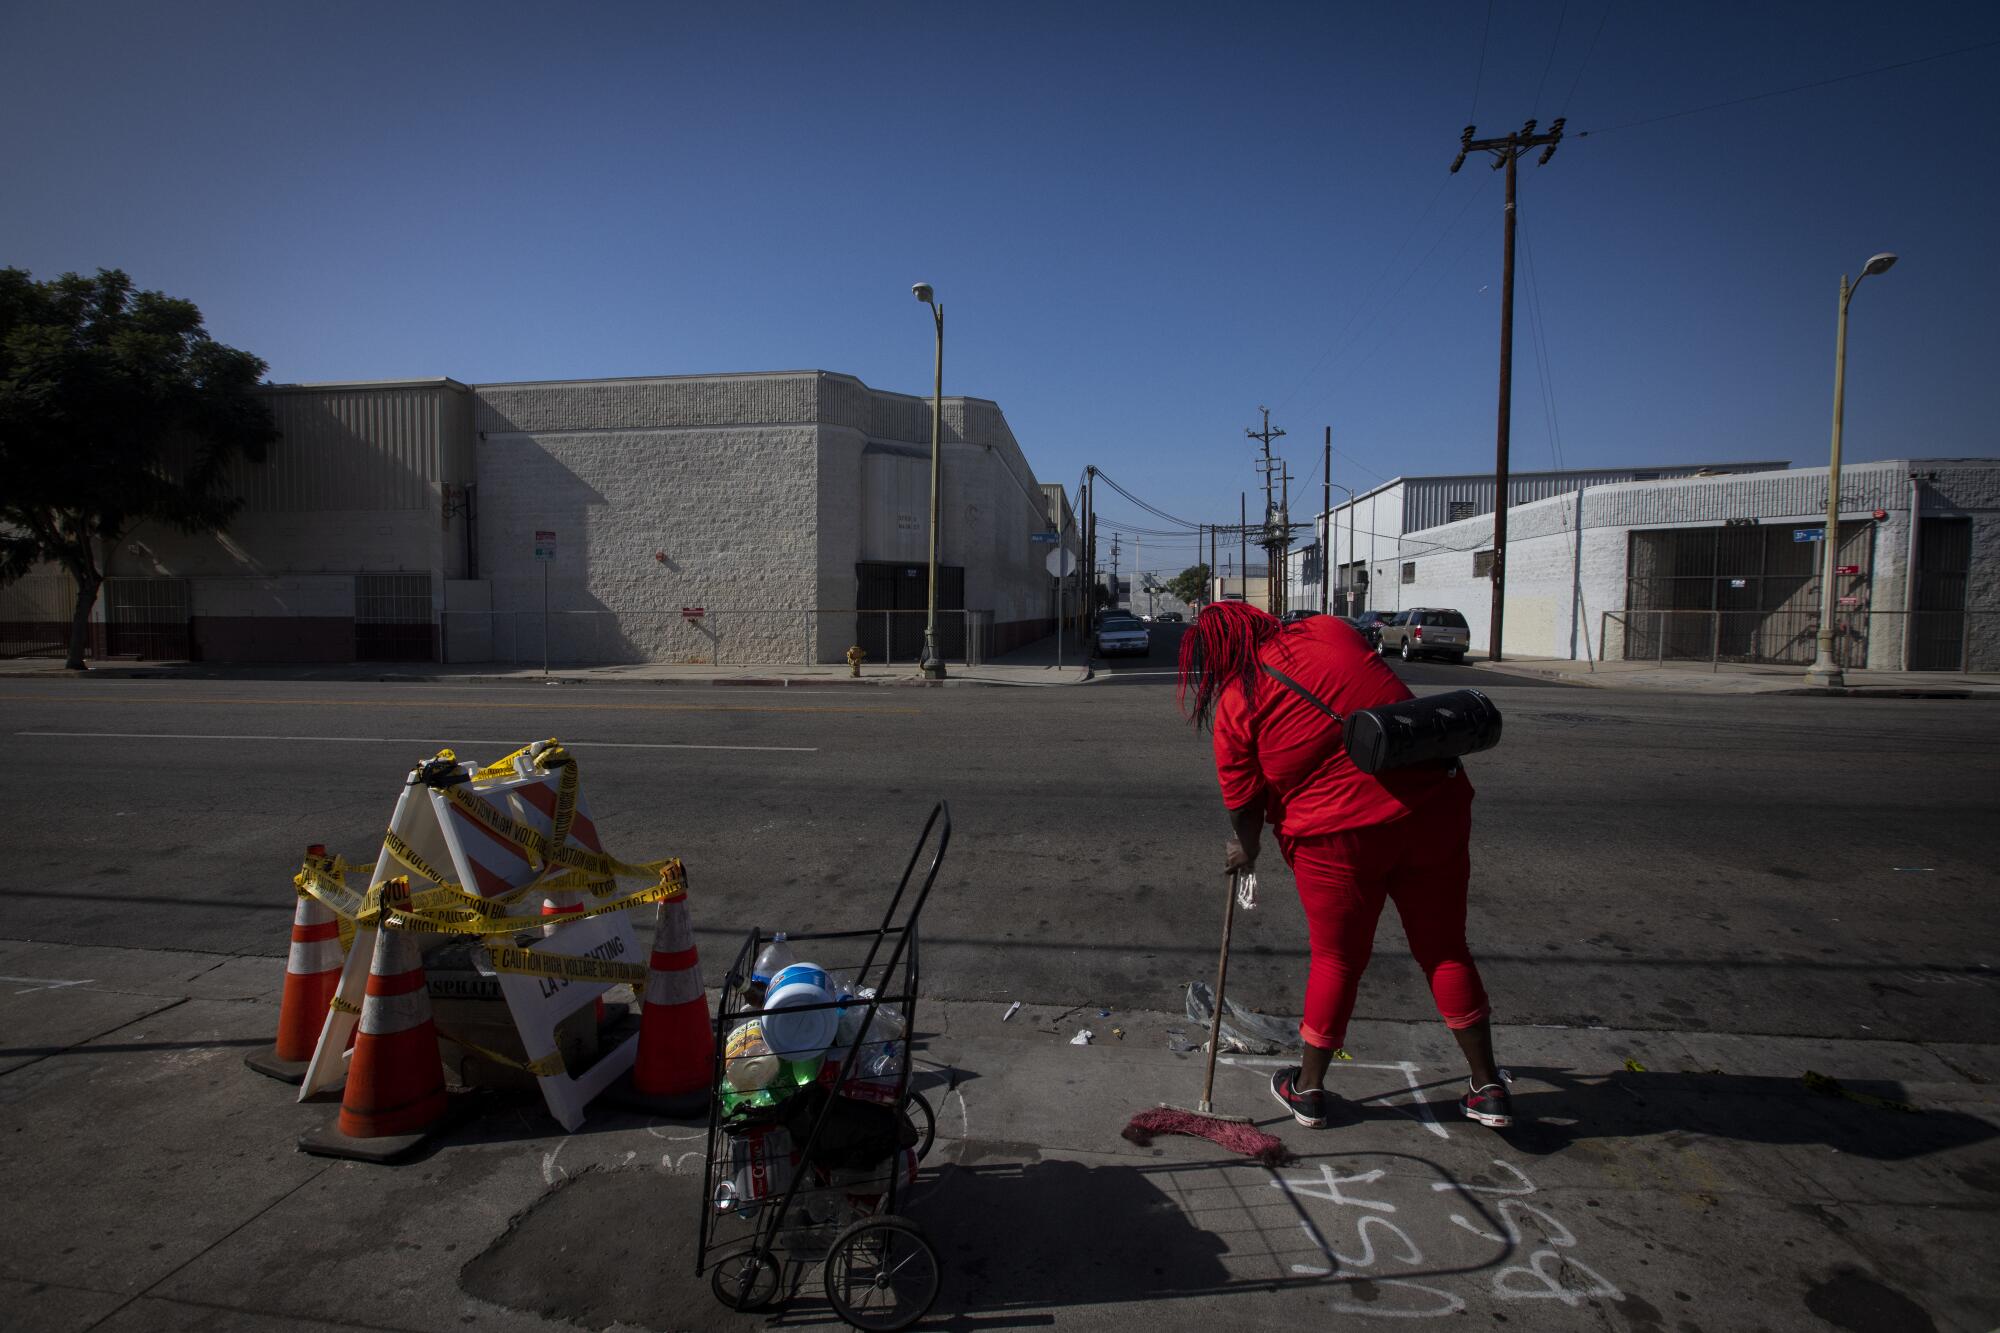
(1409,571)
(1482,564)
(1461,509)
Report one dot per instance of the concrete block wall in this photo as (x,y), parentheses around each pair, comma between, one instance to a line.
(654,509)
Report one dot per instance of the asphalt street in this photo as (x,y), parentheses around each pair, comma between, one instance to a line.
(1801,866)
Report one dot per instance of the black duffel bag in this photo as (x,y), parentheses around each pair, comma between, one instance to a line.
(1437,728)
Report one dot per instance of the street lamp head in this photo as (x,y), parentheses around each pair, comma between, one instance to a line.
(922,291)
(1881,263)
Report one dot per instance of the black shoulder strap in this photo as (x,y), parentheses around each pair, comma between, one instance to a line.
(1299,690)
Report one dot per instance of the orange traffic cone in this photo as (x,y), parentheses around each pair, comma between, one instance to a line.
(676,1041)
(557,908)
(312,975)
(395,1095)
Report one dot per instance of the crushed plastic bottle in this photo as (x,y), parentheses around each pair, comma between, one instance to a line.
(776,957)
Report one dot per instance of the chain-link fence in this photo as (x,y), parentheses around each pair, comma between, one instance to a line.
(716,638)
(1862,640)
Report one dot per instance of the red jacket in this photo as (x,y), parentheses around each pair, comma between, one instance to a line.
(1275,747)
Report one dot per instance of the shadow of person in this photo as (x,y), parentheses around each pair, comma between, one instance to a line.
(1744,1108)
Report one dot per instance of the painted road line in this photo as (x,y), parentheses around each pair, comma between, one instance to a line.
(41,983)
(544,706)
(407,740)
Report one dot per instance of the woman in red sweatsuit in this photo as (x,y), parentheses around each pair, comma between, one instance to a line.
(1352,839)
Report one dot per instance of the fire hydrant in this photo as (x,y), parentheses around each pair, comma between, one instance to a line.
(855,656)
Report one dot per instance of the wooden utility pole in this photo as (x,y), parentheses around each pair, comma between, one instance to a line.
(1089,546)
(1505,153)
(1274,539)
(1243,541)
(1326,542)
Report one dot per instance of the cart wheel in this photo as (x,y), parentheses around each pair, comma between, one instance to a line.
(881,1273)
(747,1281)
(918,1112)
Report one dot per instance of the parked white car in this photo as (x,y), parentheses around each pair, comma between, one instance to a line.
(1124,635)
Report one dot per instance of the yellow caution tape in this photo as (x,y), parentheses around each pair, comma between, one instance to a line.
(1633,1066)
(406,855)
(340,1006)
(501,826)
(447,908)
(543,1068)
(470,916)
(567,967)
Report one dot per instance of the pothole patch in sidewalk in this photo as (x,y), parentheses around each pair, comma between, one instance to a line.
(608,1246)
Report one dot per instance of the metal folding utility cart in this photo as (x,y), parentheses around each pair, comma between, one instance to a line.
(815,1170)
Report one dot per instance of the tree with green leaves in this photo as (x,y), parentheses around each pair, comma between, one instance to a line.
(1190,585)
(116,408)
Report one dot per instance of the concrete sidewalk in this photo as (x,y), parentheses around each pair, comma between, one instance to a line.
(1747,678)
(1018,669)
(1661,1180)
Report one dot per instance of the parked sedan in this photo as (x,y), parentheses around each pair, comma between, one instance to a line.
(1424,631)
(1122,635)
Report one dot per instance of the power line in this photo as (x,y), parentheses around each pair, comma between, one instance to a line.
(1155,512)
(1795,88)
(1339,339)
(1480,74)
(1389,300)
(1545,371)
(1588,51)
(1535,106)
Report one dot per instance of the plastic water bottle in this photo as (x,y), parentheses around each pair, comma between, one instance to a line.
(777,956)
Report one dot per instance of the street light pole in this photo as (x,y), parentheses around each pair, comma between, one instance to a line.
(1825,670)
(1332,533)
(931,664)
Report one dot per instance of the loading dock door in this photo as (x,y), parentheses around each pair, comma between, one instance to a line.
(1944,559)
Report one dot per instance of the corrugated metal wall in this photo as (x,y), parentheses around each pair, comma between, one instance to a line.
(1428,501)
(360,448)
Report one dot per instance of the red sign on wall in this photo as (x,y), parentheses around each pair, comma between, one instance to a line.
(693,612)
(1847,569)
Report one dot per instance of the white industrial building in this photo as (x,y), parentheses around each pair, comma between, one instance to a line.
(768,517)
(1704,566)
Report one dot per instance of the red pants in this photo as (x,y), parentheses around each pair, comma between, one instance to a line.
(1422,862)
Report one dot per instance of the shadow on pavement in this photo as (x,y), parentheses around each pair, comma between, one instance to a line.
(1739,1108)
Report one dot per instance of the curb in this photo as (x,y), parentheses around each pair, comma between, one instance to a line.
(634,682)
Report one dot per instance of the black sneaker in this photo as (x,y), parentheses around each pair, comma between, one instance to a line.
(1489,1104)
(1307,1107)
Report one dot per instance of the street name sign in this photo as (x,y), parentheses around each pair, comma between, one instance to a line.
(1808,535)
(1045,538)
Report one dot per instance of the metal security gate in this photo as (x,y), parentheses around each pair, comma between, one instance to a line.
(1944,560)
(1744,594)
(393,618)
(905,590)
(146,618)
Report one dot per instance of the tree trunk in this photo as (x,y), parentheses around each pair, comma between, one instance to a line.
(79,621)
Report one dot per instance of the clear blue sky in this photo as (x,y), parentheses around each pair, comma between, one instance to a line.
(1144,221)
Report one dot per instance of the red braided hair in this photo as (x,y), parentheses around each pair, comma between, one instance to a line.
(1218,649)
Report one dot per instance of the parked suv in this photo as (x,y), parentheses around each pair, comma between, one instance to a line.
(1424,631)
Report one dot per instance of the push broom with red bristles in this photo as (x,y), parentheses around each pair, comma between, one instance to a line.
(1234,1132)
